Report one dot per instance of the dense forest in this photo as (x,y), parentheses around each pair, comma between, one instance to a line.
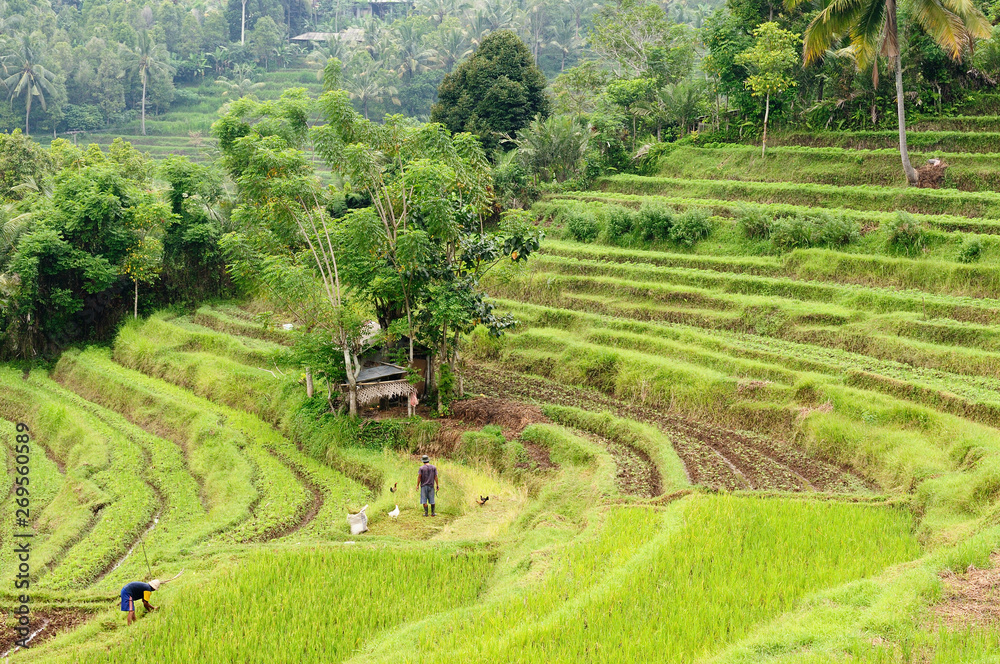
(98,64)
(554,94)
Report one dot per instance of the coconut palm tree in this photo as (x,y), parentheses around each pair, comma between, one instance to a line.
(29,78)
(241,83)
(368,85)
(147,61)
(872,27)
(553,148)
(563,39)
(439,10)
(7,20)
(451,44)
(410,52)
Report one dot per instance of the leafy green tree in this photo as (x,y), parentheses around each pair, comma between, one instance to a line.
(726,38)
(576,89)
(193,265)
(144,260)
(493,94)
(429,193)
(630,95)
(21,160)
(76,248)
(872,26)
(30,79)
(637,40)
(281,213)
(771,59)
(265,37)
(109,84)
(8,19)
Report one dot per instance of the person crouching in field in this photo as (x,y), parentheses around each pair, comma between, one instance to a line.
(137,590)
(427,482)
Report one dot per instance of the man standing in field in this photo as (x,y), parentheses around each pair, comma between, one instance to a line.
(427,482)
(137,590)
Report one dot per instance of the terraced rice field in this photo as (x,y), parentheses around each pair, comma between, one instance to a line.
(723,450)
(222,484)
(185,128)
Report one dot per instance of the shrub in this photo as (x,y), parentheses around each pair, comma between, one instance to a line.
(446,385)
(836,229)
(513,184)
(618,224)
(653,222)
(481,345)
(382,434)
(583,227)
(485,447)
(754,222)
(693,225)
(971,250)
(796,232)
(906,234)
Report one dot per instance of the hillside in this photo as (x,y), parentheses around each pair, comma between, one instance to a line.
(220,492)
(749,416)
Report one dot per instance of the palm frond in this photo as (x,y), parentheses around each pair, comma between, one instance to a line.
(832,23)
(944,26)
(869,35)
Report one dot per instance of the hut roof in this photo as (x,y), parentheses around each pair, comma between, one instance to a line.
(380,372)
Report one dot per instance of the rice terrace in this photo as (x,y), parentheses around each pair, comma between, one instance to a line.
(502,331)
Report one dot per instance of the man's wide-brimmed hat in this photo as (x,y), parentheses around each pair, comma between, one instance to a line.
(155,583)
(425,458)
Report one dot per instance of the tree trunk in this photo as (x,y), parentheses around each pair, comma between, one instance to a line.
(243,24)
(454,364)
(309,383)
(767,112)
(352,383)
(27,113)
(144,105)
(904,154)
(135,311)
(444,359)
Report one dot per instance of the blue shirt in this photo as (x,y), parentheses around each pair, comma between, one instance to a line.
(138,590)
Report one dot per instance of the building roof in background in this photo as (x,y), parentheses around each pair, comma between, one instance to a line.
(315,36)
(380,372)
(348,35)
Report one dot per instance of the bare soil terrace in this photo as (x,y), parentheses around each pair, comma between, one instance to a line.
(714,457)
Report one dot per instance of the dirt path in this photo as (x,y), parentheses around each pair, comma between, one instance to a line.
(314,508)
(45,624)
(714,456)
(637,474)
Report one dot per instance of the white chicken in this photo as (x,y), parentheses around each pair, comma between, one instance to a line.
(395,512)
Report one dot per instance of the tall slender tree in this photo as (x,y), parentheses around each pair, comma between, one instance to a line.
(147,62)
(771,59)
(873,29)
(30,79)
